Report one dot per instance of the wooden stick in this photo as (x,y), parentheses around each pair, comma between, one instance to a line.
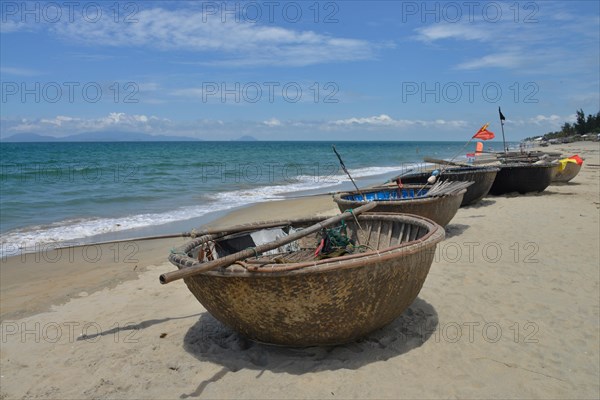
(445,162)
(200,267)
(242,228)
(194,233)
(347,172)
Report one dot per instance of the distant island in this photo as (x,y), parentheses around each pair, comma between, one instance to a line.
(246,138)
(98,137)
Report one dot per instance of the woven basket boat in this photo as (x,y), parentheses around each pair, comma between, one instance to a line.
(482,178)
(517,156)
(409,200)
(571,170)
(522,178)
(290,298)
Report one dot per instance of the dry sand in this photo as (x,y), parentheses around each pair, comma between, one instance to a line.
(510,309)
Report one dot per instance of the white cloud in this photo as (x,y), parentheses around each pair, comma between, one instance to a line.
(9,26)
(90,57)
(499,60)
(552,121)
(57,121)
(539,119)
(385,121)
(546,122)
(453,31)
(63,125)
(273,122)
(188,92)
(382,119)
(19,71)
(378,127)
(148,86)
(504,48)
(586,97)
(521,41)
(237,42)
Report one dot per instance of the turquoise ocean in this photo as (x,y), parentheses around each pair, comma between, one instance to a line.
(75,193)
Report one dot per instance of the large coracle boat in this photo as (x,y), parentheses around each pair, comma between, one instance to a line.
(482,178)
(522,178)
(422,200)
(290,297)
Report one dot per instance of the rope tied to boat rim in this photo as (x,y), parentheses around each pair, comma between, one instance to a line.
(174,251)
(351,211)
(254,250)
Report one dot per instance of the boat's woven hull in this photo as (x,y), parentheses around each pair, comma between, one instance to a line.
(438,209)
(522,178)
(482,179)
(323,308)
(571,170)
(338,301)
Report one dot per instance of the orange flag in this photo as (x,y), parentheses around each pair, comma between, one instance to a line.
(478,148)
(577,159)
(483,133)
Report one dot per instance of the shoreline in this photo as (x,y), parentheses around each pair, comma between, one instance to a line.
(512,296)
(74,229)
(123,259)
(81,270)
(186,225)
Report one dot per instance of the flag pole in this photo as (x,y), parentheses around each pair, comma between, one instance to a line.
(502,125)
(466,144)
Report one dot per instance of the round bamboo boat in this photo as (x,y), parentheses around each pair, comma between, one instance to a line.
(522,178)
(569,172)
(293,299)
(482,178)
(440,209)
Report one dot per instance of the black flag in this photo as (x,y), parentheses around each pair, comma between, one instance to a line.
(502,118)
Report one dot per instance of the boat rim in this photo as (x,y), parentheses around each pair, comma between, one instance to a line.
(528,165)
(452,170)
(466,170)
(435,234)
(424,199)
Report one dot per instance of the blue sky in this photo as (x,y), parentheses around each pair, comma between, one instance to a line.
(345,70)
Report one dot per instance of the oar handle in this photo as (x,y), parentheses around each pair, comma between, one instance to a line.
(346,171)
(198,267)
(445,162)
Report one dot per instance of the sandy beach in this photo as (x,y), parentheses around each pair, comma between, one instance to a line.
(510,309)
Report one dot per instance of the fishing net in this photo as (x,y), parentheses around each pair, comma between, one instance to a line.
(335,242)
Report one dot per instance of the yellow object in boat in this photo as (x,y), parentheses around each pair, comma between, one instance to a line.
(564,161)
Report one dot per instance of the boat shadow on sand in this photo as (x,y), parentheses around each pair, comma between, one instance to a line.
(453,230)
(481,203)
(547,192)
(570,183)
(209,340)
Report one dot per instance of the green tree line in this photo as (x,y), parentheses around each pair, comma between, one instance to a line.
(582,125)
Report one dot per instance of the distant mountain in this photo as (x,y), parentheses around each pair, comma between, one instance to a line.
(99,137)
(246,138)
(29,137)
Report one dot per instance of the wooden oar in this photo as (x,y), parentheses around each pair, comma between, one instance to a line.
(445,162)
(194,233)
(200,267)
(347,172)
